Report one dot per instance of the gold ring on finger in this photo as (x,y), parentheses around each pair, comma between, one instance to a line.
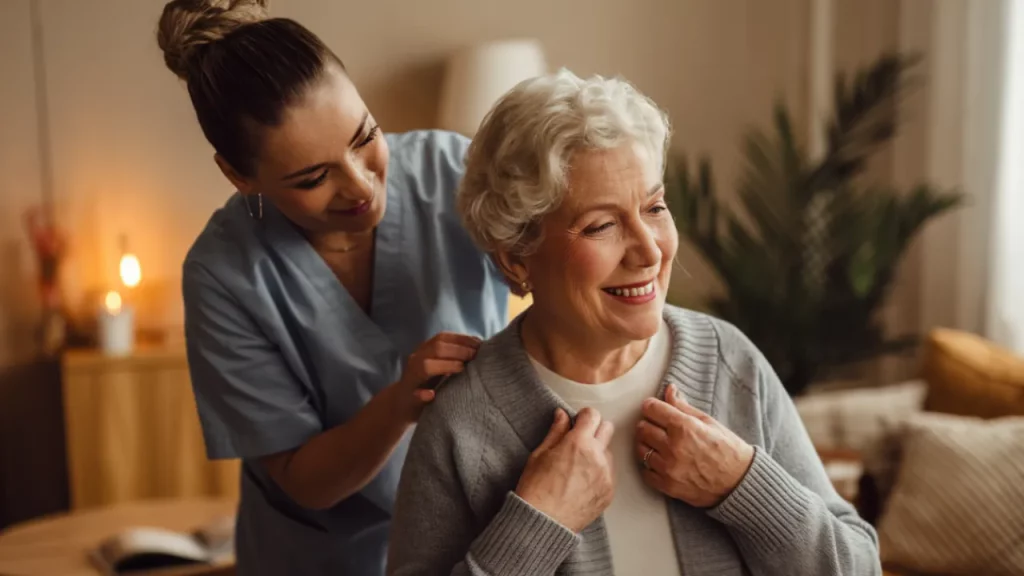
(647,458)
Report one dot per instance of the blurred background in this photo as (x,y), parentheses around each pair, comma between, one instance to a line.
(846,177)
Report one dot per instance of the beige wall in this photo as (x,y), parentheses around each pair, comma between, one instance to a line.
(19,180)
(129,157)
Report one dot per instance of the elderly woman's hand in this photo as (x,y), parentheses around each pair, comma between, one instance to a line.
(569,476)
(694,459)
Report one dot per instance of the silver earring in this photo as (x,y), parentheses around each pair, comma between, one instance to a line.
(525,286)
(259,207)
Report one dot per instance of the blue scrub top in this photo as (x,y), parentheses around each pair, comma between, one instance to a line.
(279,351)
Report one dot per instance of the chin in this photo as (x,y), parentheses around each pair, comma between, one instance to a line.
(365,222)
(643,323)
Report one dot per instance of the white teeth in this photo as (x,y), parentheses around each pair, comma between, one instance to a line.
(633,292)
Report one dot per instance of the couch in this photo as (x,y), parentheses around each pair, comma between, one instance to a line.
(948,448)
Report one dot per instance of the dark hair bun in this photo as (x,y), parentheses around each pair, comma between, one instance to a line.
(186,26)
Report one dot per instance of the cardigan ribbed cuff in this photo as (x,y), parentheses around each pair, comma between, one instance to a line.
(522,540)
(768,506)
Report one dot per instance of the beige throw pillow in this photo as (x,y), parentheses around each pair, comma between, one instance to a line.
(957,506)
(853,419)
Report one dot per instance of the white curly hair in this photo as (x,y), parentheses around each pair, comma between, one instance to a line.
(518,161)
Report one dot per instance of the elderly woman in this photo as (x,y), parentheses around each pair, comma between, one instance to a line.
(605,432)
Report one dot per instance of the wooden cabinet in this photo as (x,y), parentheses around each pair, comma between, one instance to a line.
(133,433)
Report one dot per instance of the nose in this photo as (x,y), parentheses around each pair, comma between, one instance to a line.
(644,251)
(358,184)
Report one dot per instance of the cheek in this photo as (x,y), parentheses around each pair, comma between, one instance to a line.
(377,161)
(668,240)
(590,263)
(668,243)
(308,202)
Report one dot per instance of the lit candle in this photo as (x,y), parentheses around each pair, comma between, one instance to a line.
(116,326)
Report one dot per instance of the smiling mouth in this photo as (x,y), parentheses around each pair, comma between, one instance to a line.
(355,211)
(632,290)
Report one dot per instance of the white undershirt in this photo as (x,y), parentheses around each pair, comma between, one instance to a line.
(637,520)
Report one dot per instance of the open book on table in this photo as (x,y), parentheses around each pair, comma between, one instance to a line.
(146,550)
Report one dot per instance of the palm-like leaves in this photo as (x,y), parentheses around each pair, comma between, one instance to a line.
(809,257)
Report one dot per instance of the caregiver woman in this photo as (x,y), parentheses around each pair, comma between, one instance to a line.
(324,294)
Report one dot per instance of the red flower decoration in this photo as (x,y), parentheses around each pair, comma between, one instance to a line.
(49,245)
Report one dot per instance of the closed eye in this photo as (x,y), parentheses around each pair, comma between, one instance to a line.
(598,229)
(370,136)
(314,182)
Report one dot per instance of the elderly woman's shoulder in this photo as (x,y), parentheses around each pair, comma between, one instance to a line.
(457,394)
(461,403)
(723,340)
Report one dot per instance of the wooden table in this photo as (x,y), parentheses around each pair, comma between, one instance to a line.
(844,469)
(59,545)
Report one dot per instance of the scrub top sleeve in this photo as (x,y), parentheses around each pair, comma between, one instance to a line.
(456,149)
(250,403)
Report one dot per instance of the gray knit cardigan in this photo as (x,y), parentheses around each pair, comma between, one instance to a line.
(456,511)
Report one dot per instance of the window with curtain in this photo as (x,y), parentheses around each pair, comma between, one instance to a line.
(1006,294)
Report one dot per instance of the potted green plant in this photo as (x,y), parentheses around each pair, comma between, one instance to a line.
(808,252)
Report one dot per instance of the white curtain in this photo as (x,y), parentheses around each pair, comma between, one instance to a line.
(972,261)
(1005,314)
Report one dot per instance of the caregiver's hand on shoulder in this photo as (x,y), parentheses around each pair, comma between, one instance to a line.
(569,476)
(443,355)
(695,458)
(342,460)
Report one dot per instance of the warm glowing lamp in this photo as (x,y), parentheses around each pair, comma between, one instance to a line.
(131,270)
(476,76)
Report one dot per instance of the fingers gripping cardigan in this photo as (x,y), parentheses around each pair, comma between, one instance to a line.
(457,514)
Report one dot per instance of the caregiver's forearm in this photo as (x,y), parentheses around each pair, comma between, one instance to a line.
(341,461)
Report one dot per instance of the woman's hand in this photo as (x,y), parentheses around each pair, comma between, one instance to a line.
(695,459)
(569,476)
(443,355)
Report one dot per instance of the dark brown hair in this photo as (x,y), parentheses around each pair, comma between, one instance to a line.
(242,68)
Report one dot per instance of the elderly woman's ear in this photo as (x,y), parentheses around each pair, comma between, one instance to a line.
(515,272)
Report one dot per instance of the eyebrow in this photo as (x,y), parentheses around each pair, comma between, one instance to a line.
(304,171)
(655,189)
(317,167)
(608,206)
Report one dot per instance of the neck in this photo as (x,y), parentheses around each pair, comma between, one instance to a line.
(571,355)
(334,242)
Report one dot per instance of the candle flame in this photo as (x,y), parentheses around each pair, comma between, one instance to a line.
(113,302)
(131,270)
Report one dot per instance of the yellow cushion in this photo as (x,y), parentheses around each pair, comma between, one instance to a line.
(971,376)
